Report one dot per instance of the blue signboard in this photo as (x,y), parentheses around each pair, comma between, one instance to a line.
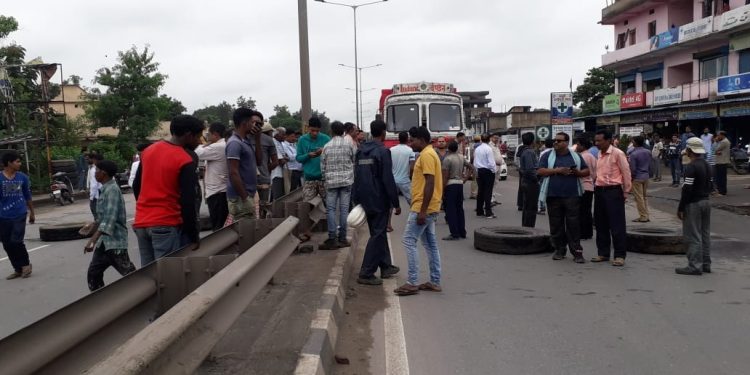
(734,84)
(662,40)
(561,108)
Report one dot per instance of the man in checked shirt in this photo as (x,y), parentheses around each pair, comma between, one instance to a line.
(337,167)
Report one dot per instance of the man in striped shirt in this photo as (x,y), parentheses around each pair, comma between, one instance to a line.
(337,168)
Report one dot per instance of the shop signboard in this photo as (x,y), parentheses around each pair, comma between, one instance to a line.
(737,84)
(561,108)
(579,125)
(611,103)
(662,40)
(633,118)
(631,131)
(568,129)
(734,18)
(735,109)
(607,120)
(543,132)
(511,140)
(700,112)
(661,116)
(634,100)
(696,29)
(668,96)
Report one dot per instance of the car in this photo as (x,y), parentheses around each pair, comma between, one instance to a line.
(503,173)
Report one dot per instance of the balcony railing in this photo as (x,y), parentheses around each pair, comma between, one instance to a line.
(692,91)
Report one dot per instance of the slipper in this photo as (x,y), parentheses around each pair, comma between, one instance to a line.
(641,220)
(599,258)
(406,290)
(303,237)
(389,229)
(430,287)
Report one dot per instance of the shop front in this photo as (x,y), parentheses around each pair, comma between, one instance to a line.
(735,120)
(699,117)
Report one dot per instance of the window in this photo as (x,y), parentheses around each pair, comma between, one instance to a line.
(713,67)
(651,11)
(708,6)
(652,29)
(745,61)
(621,40)
(445,117)
(627,87)
(651,85)
(403,117)
(632,36)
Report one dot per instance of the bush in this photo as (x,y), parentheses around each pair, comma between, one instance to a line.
(115,150)
(65,152)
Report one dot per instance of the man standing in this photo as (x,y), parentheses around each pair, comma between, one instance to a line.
(673,155)
(309,148)
(277,174)
(268,161)
(242,163)
(337,168)
(441,148)
(215,180)
(110,242)
(613,183)
(587,220)
(695,211)
(707,138)
(656,155)
(484,163)
(721,157)
(427,191)
(453,191)
(403,161)
(472,156)
(640,162)
(92,184)
(165,208)
(527,167)
(15,205)
(375,189)
(562,190)
(295,168)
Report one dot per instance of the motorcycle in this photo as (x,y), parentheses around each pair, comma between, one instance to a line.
(61,191)
(739,159)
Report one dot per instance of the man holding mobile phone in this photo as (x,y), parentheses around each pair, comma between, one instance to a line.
(562,189)
(309,149)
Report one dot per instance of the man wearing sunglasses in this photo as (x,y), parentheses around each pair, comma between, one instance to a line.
(562,190)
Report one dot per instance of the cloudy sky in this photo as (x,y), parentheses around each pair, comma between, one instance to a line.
(218,50)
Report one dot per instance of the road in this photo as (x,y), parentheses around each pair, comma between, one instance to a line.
(503,314)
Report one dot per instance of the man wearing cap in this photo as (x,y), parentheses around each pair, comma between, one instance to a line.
(269,160)
(695,210)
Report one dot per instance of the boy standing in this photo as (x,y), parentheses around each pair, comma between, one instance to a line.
(15,204)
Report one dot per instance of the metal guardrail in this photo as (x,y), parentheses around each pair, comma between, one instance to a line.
(170,313)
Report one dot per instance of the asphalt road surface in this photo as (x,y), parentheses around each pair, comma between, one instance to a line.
(502,314)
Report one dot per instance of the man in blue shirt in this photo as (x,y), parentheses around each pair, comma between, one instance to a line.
(15,204)
(242,163)
(562,189)
(529,185)
(640,164)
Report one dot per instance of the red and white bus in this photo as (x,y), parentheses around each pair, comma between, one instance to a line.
(435,105)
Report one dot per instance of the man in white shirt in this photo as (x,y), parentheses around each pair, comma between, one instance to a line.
(213,152)
(656,155)
(92,184)
(295,168)
(484,163)
(277,174)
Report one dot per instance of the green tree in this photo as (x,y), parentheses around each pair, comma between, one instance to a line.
(131,101)
(321,115)
(245,103)
(73,80)
(223,111)
(7,26)
(589,96)
(171,107)
(282,117)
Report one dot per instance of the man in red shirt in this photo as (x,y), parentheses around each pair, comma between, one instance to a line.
(165,210)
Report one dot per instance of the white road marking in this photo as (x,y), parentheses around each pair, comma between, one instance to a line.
(396,358)
(30,251)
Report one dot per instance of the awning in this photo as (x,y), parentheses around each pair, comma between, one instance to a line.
(652,74)
(626,78)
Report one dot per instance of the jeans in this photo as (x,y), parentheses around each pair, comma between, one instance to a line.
(676,167)
(218,210)
(277,188)
(337,199)
(156,242)
(486,182)
(426,233)
(587,219)
(296,179)
(530,198)
(640,188)
(657,168)
(264,205)
(609,215)
(12,232)
(377,254)
(721,178)
(454,210)
(92,207)
(405,190)
(103,259)
(696,227)
(564,224)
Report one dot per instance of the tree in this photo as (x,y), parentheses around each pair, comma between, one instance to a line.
(131,101)
(589,96)
(282,117)
(171,107)
(245,103)
(223,111)
(73,80)
(321,115)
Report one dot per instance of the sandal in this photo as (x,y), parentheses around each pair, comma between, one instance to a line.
(599,258)
(618,262)
(430,287)
(304,237)
(406,290)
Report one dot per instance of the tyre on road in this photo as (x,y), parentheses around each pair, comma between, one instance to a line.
(61,232)
(512,240)
(656,240)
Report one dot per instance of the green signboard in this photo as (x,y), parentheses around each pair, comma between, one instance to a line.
(611,103)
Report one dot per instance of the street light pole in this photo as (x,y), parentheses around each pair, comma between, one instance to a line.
(358,89)
(356,60)
(304,64)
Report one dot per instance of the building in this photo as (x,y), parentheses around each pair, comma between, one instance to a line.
(678,63)
(476,110)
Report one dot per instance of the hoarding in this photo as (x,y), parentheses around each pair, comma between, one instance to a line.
(734,84)
(699,112)
(735,109)
(662,40)
(611,103)
(401,88)
(734,18)
(696,29)
(635,100)
(631,131)
(568,129)
(561,108)
(668,96)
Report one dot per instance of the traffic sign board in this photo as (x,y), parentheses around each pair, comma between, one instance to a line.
(543,132)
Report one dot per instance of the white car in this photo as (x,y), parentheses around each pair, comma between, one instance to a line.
(503,174)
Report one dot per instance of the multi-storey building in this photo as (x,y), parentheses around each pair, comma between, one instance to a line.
(678,63)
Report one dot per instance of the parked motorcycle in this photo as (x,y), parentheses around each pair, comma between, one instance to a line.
(61,191)
(738,159)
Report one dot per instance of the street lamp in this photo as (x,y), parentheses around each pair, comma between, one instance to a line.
(358,90)
(356,61)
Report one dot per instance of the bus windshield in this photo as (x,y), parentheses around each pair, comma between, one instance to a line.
(403,117)
(445,117)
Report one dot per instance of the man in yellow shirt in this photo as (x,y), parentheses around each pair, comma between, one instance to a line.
(427,192)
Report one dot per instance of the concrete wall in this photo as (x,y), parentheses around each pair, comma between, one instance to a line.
(679,13)
(640,24)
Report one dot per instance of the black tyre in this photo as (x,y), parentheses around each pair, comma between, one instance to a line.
(61,232)
(656,240)
(503,178)
(512,240)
